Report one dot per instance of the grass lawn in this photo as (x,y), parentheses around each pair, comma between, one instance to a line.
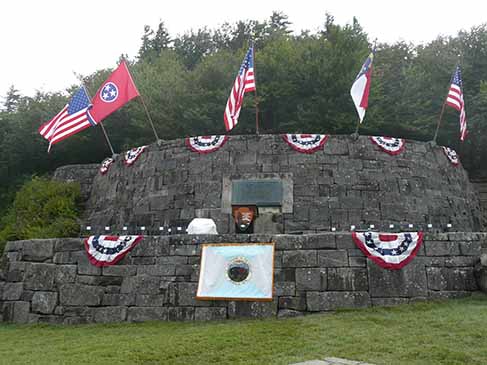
(446,332)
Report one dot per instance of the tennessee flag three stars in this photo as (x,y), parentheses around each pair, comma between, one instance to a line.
(80,113)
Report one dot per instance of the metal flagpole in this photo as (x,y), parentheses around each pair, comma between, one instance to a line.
(256,99)
(149,117)
(100,123)
(442,111)
(145,109)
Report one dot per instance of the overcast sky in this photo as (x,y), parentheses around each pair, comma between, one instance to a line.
(44,41)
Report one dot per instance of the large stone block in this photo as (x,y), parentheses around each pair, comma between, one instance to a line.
(141,284)
(156,270)
(109,314)
(65,274)
(85,267)
(211,313)
(410,281)
(332,300)
(180,313)
(333,258)
(118,299)
(470,248)
(44,302)
(299,258)
(80,295)
(309,279)
(451,279)
(347,279)
(150,300)
(295,303)
(16,312)
(252,309)
(15,272)
(12,291)
(186,295)
(119,270)
(441,248)
(286,288)
(40,276)
(142,314)
(69,244)
(38,250)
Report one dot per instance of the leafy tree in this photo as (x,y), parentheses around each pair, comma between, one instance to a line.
(42,209)
(12,99)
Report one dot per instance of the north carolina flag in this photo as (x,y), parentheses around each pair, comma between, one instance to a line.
(361,87)
(117,91)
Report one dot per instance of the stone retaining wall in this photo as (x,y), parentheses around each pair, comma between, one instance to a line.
(51,280)
(350,182)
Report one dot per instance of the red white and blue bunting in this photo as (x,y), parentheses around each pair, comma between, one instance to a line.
(306,143)
(205,144)
(132,155)
(392,146)
(108,250)
(389,250)
(452,156)
(105,165)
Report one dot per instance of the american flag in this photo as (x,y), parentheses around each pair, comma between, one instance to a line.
(243,83)
(73,118)
(455,100)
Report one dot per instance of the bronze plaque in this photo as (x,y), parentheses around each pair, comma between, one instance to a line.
(257,192)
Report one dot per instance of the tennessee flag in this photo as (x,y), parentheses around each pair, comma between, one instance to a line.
(361,87)
(115,92)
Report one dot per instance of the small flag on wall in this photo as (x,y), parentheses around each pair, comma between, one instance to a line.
(389,250)
(455,100)
(236,272)
(361,87)
(244,83)
(73,118)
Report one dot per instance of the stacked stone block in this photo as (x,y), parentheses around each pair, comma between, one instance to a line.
(52,281)
(350,182)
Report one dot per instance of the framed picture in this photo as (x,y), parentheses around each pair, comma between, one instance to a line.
(234,271)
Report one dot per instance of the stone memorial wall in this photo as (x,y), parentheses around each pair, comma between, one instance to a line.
(349,182)
(52,281)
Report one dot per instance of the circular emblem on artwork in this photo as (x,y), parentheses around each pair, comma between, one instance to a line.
(109,92)
(238,270)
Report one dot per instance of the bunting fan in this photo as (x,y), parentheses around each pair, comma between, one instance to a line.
(452,156)
(132,155)
(205,144)
(392,146)
(108,250)
(105,165)
(306,143)
(389,250)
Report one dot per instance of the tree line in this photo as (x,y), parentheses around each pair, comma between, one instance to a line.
(303,83)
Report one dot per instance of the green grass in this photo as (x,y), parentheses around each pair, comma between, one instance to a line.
(447,332)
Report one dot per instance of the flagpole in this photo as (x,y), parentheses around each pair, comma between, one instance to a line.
(149,117)
(256,99)
(441,113)
(146,110)
(100,123)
